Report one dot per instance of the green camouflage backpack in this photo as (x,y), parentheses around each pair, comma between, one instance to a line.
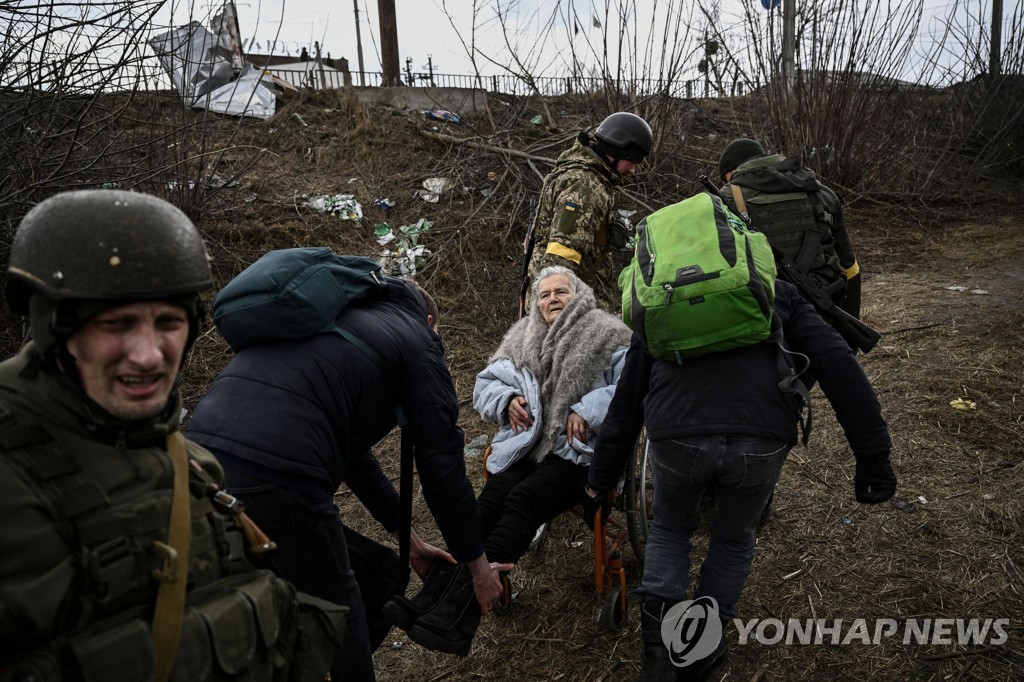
(699,282)
(785,201)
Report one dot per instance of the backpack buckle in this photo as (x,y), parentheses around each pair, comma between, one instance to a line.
(169,572)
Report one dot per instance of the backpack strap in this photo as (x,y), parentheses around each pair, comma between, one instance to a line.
(405,476)
(790,384)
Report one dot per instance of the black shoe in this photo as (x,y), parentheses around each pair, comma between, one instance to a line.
(452,623)
(702,669)
(403,611)
(657,663)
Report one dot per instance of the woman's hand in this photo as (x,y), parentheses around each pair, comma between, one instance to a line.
(518,414)
(576,428)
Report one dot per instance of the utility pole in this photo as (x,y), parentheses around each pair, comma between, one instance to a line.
(359,47)
(788,44)
(391,75)
(997,39)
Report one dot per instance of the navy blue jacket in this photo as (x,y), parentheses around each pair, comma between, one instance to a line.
(305,415)
(737,392)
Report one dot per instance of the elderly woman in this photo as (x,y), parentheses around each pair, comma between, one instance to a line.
(547,387)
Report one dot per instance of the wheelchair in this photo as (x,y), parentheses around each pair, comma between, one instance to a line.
(632,499)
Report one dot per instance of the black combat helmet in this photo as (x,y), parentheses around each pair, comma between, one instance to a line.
(86,250)
(627,134)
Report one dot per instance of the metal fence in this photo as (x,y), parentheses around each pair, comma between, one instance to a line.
(316,78)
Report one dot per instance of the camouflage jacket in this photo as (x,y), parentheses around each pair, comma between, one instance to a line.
(86,502)
(571,225)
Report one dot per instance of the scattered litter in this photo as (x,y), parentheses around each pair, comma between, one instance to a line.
(109,185)
(398,645)
(903,505)
(537,120)
(963,404)
(988,496)
(980,292)
(299,119)
(474,446)
(957,288)
(383,234)
(344,206)
(847,520)
(576,543)
(384,202)
(216,182)
(922,499)
(441,115)
(408,256)
(433,188)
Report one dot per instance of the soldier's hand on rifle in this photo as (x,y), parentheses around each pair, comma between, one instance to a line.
(518,414)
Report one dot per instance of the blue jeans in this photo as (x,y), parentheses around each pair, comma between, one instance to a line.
(743,470)
(312,555)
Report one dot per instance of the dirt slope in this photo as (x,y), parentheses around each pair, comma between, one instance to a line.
(953,552)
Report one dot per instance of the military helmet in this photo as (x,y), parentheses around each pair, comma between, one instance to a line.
(628,134)
(78,253)
(105,245)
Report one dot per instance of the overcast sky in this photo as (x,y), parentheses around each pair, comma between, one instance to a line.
(425,28)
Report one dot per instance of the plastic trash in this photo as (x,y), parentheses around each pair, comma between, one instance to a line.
(441,115)
(433,188)
(344,206)
(963,404)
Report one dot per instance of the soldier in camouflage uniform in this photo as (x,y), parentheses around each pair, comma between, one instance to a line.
(573,227)
(118,559)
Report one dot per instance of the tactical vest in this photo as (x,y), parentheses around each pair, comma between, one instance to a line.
(786,202)
(240,622)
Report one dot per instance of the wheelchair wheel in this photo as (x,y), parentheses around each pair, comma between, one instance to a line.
(610,614)
(639,496)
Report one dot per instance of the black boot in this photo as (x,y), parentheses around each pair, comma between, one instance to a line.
(702,669)
(403,612)
(657,664)
(451,624)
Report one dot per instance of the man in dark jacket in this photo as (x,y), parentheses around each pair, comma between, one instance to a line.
(290,422)
(722,420)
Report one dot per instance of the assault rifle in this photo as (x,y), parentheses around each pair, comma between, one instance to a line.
(852,329)
(528,244)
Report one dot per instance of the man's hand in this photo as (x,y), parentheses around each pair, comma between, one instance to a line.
(595,500)
(487,581)
(576,427)
(874,480)
(518,414)
(422,555)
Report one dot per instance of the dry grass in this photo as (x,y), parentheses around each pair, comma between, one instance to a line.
(958,555)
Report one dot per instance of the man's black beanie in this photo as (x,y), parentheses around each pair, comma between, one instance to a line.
(736,153)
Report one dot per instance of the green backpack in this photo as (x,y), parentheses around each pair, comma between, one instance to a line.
(700,281)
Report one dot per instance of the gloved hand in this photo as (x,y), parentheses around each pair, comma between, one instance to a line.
(594,500)
(874,480)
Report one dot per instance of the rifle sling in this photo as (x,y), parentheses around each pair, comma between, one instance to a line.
(741,205)
(170,601)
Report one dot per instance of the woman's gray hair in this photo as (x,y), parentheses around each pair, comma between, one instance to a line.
(551,271)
